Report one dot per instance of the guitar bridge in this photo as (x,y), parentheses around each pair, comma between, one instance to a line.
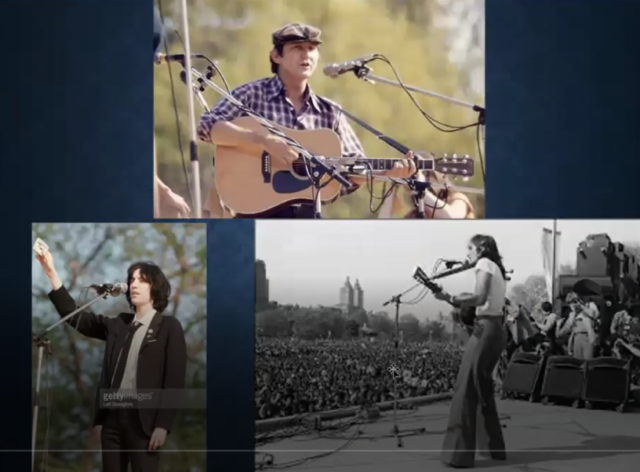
(266,167)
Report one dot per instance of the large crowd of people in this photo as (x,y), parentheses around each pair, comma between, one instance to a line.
(295,376)
(298,376)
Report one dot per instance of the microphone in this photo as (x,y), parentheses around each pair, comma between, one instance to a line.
(160,58)
(334,70)
(110,289)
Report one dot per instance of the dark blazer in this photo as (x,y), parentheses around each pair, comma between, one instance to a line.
(162,362)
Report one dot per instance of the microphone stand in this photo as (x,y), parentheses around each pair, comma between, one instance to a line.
(417,187)
(315,174)
(364,73)
(42,342)
(197,88)
(455,188)
(397,301)
(193,143)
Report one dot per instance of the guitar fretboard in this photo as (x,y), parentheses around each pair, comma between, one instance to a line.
(387,164)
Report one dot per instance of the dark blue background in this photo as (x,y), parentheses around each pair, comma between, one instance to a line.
(562,98)
(76,144)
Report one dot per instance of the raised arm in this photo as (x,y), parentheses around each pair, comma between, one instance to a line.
(88,324)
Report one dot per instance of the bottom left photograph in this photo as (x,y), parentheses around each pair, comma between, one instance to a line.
(119,347)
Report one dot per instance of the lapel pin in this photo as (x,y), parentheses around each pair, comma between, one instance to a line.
(150,330)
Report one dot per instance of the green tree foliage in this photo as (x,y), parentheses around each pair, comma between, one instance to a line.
(237,35)
(91,253)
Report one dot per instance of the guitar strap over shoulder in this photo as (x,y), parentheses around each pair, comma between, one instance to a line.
(333,106)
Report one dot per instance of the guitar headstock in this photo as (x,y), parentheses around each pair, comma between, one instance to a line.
(421,277)
(455,166)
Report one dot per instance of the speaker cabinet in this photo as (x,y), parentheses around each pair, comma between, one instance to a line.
(592,258)
(607,381)
(563,379)
(523,375)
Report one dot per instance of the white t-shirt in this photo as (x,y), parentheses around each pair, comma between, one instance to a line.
(497,288)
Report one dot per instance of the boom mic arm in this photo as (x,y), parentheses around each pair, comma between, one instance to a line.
(462,268)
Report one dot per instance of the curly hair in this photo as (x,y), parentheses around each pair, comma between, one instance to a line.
(153,275)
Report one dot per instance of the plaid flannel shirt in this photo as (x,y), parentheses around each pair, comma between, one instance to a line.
(267,98)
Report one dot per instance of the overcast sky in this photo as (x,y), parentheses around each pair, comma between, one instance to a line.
(308,261)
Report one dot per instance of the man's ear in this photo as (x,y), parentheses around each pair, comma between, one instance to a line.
(275,57)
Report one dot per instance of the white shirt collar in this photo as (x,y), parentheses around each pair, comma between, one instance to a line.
(146,318)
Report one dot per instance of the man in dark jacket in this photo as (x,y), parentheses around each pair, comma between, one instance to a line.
(144,361)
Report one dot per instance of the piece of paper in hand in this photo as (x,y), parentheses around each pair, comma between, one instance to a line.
(40,246)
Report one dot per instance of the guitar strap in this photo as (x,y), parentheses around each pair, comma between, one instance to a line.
(333,106)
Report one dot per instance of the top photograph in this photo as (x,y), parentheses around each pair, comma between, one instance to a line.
(368,109)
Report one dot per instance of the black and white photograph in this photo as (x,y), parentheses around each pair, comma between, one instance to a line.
(119,347)
(500,344)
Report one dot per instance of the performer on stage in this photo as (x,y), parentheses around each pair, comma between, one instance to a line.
(144,350)
(287,99)
(473,408)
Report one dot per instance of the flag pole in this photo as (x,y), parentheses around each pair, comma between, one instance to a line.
(554,263)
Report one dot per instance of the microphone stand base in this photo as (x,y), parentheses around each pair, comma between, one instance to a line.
(399,434)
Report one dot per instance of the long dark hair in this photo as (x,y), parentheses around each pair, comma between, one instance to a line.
(487,247)
(160,286)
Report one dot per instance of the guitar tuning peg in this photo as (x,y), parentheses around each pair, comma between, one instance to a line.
(444,169)
(455,156)
(465,179)
(466,156)
(445,155)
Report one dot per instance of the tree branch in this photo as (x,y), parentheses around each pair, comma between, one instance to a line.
(194,322)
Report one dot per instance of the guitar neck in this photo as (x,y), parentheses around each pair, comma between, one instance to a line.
(387,164)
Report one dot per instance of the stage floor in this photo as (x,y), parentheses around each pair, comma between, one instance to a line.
(539,439)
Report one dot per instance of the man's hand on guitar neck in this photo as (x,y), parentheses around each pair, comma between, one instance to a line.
(402,169)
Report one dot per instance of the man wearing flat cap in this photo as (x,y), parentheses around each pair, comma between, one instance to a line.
(287,99)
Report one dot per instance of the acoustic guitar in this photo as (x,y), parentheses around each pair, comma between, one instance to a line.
(250,182)
(462,314)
